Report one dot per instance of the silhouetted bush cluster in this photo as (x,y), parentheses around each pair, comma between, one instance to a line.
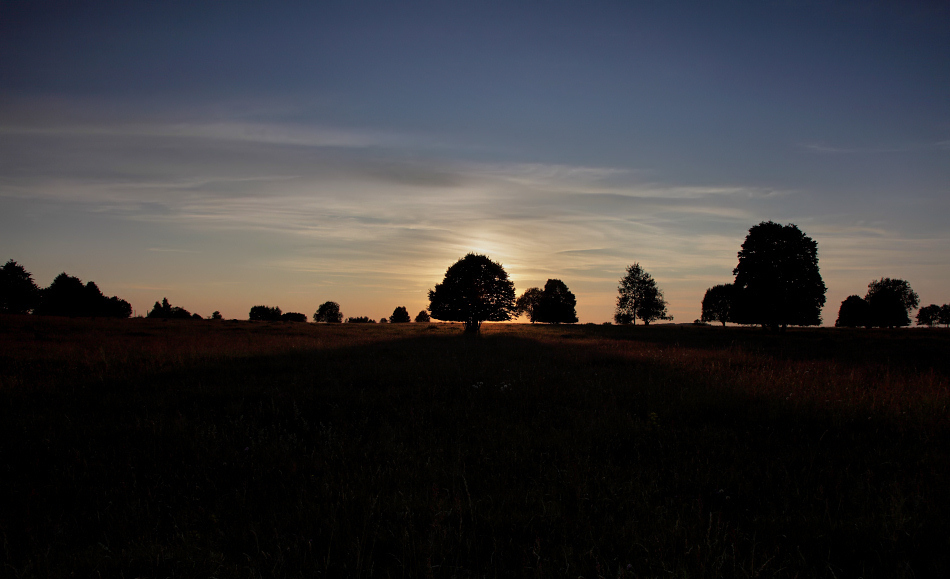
(66,296)
(166,311)
(264,314)
(360,320)
(887,304)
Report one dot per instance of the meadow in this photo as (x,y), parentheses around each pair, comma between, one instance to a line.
(149,448)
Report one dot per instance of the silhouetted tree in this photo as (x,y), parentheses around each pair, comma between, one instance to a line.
(360,320)
(383,321)
(18,291)
(556,305)
(928,315)
(196,316)
(216,315)
(639,298)
(475,290)
(777,278)
(423,317)
(945,315)
(528,301)
(718,304)
(328,312)
(400,316)
(67,296)
(854,312)
(891,301)
(166,311)
(264,314)
(293,317)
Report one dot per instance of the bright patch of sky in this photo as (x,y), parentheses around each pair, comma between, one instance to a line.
(225,155)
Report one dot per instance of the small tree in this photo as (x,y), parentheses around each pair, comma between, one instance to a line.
(944,317)
(264,314)
(328,312)
(556,304)
(718,303)
(293,317)
(423,317)
(527,303)
(18,291)
(639,298)
(216,315)
(166,311)
(891,301)
(854,312)
(475,290)
(400,316)
(928,315)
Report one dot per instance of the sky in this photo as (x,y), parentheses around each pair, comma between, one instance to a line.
(230,154)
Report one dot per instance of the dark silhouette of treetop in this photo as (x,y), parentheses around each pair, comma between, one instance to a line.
(556,304)
(166,311)
(400,316)
(639,298)
(853,313)
(328,312)
(718,304)
(264,314)
(928,315)
(423,317)
(527,303)
(778,279)
(891,301)
(475,290)
(67,296)
(18,291)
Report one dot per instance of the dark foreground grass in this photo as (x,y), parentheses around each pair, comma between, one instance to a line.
(194,449)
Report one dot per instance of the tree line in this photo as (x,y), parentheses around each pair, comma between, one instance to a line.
(777,283)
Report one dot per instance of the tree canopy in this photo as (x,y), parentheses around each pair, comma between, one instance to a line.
(718,304)
(555,304)
(400,316)
(639,298)
(423,317)
(18,291)
(264,314)
(890,301)
(475,290)
(853,313)
(528,301)
(166,311)
(328,312)
(928,315)
(67,296)
(777,278)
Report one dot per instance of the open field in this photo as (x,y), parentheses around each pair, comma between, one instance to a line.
(141,448)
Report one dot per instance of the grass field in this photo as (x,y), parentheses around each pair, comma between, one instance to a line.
(141,448)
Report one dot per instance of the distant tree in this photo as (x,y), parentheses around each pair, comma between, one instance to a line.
(528,301)
(556,305)
(383,321)
(400,316)
(777,278)
(639,298)
(854,312)
(423,317)
(166,311)
(18,291)
(293,317)
(718,304)
(928,315)
(360,320)
(328,312)
(475,289)
(216,315)
(891,301)
(67,296)
(265,314)
(196,316)
(944,317)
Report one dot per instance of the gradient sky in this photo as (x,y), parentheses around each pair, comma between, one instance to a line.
(227,154)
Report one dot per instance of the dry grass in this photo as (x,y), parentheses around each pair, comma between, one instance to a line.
(154,449)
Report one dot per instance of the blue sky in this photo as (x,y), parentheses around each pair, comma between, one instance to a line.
(229,154)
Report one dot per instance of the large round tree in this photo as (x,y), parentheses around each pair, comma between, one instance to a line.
(475,290)
(555,305)
(777,278)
